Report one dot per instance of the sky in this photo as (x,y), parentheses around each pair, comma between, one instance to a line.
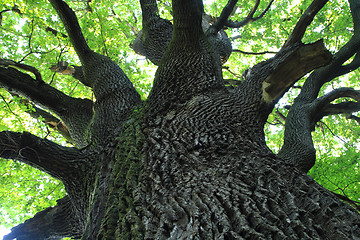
(3,232)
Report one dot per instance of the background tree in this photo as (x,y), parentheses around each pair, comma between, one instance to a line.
(190,161)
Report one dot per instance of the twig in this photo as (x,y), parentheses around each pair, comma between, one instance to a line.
(253,53)
(8,106)
(250,17)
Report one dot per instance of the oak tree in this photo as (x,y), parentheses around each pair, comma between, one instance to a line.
(190,161)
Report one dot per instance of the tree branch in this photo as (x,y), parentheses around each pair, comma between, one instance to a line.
(76,113)
(319,103)
(336,68)
(253,53)
(304,21)
(226,12)
(154,38)
(73,29)
(296,65)
(60,162)
(9,63)
(115,94)
(250,17)
(298,146)
(50,120)
(52,223)
(323,107)
(187,21)
(341,108)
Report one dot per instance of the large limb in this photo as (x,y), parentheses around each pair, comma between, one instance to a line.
(153,40)
(302,61)
(304,113)
(115,95)
(60,162)
(267,82)
(75,113)
(182,74)
(52,223)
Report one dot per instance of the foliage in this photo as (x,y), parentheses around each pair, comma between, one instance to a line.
(32,34)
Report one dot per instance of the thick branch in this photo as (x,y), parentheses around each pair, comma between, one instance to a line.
(73,29)
(323,106)
(298,147)
(355,12)
(76,113)
(115,95)
(300,62)
(60,162)
(250,17)
(28,68)
(266,82)
(226,12)
(304,21)
(150,11)
(187,21)
(190,66)
(321,102)
(336,68)
(52,223)
(341,108)
(153,40)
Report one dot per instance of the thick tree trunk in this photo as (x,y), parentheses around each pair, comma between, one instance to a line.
(201,171)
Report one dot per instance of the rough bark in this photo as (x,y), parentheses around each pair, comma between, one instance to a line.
(112,88)
(191,162)
(156,34)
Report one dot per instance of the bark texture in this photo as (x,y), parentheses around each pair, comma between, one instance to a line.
(191,162)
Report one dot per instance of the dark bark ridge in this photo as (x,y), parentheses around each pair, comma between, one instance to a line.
(191,162)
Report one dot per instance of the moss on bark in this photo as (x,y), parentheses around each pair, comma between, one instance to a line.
(121,205)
